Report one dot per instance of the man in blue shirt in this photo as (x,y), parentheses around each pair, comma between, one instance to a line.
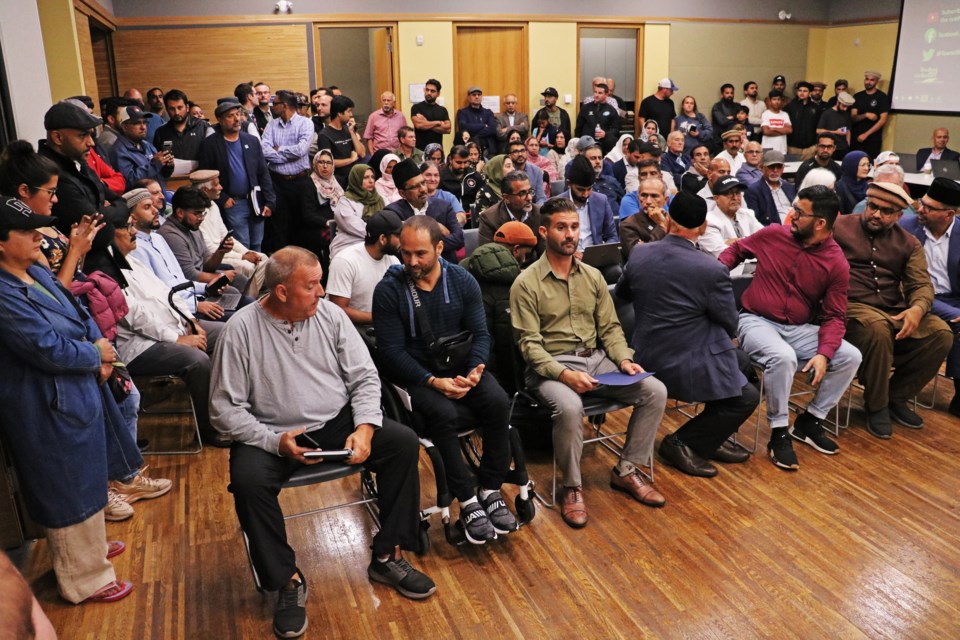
(135,157)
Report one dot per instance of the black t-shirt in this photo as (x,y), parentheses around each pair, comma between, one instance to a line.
(833,120)
(877,103)
(433,113)
(340,144)
(663,111)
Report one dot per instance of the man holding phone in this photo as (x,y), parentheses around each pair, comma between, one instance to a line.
(134,156)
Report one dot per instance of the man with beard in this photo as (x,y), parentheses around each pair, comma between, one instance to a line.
(182,131)
(596,225)
(732,141)
(157,196)
(816,95)
(135,157)
(516,205)
(458,178)
(567,330)
(836,121)
(724,113)
(557,115)
(445,298)
(779,84)
(750,101)
(430,119)
(804,116)
(263,113)
(517,151)
(840,86)
(801,276)
(823,158)
(889,314)
(869,114)
(355,271)
(771,197)
(413,202)
(155,103)
(383,125)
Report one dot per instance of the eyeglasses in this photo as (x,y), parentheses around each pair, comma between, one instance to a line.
(324,163)
(826,146)
(736,195)
(920,204)
(884,211)
(522,194)
(52,192)
(753,151)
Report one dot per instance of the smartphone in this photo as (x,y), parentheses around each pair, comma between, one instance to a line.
(215,287)
(693,127)
(168,146)
(330,455)
(229,234)
(273,99)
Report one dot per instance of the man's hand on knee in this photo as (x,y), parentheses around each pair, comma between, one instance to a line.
(911,320)
(818,364)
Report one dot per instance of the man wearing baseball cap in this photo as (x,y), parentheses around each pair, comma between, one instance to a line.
(557,115)
(728,220)
(477,121)
(659,106)
(771,197)
(133,155)
(890,299)
(869,114)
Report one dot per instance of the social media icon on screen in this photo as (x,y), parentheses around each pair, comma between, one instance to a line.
(930,35)
(928,54)
(933,16)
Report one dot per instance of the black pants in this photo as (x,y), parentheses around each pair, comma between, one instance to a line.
(491,406)
(190,363)
(257,476)
(276,229)
(718,420)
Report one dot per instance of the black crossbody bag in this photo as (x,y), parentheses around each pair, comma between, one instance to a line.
(450,353)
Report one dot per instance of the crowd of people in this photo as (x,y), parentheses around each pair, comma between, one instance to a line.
(303,261)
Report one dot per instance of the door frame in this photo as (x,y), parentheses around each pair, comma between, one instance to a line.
(638,86)
(522,91)
(394,57)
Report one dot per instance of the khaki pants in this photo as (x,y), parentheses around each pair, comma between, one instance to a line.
(252,272)
(80,558)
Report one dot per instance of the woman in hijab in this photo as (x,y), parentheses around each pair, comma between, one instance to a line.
(384,185)
(433,152)
(359,202)
(493,173)
(852,185)
(571,152)
(313,230)
(616,154)
(534,158)
(651,134)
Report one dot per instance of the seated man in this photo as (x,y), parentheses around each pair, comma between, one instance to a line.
(686,318)
(695,178)
(732,141)
(562,312)
(602,184)
(596,215)
(355,271)
(936,228)
(888,316)
(718,168)
(939,150)
(516,204)
(750,170)
(648,223)
(822,158)
(727,220)
(673,161)
(801,276)
(413,202)
(300,344)
(414,306)
(771,197)
(517,151)
(133,155)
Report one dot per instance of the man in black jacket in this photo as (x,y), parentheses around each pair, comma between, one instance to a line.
(599,120)
(225,151)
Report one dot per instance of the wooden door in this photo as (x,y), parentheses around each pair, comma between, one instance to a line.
(382,61)
(493,58)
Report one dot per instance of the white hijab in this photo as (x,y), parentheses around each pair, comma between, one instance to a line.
(616,154)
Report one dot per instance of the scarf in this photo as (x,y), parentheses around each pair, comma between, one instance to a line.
(430,148)
(493,172)
(328,189)
(371,200)
(616,154)
(848,171)
(385,185)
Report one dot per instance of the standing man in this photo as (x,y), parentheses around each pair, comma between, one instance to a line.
(244,94)
(836,122)
(801,276)
(155,103)
(517,151)
(511,119)
(182,131)
(660,107)
(478,121)
(263,113)
(517,205)
(840,86)
(804,115)
(939,150)
(775,124)
(238,156)
(888,317)
(557,115)
(686,319)
(771,197)
(935,226)
(568,332)
(133,156)
(869,114)
(383,125)
(599,120)
(757,107)
(724,113)
(285,143)
(341,138)
(430,119)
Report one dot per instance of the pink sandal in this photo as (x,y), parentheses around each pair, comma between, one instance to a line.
(116,590)
(115,548)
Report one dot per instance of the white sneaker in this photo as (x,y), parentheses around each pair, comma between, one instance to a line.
(141,487)
(117,508)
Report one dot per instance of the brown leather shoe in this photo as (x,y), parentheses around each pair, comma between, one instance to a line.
(572,508)
(633,485)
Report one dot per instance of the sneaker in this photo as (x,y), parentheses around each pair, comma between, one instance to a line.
(879,425)
(116,590)
(141,487)
(399,574)
(498,513)
(117,508)
(808,430)
(290,616)
(902,415)
(476,524)
(781,452)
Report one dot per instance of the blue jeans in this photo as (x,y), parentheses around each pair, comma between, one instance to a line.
(247,227)
(123,456)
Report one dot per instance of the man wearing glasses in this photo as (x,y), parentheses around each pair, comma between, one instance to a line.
(517,204)
(823,158)
(888,315)
(801,277)
(728,219)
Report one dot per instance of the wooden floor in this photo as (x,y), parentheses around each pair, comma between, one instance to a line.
(865,544)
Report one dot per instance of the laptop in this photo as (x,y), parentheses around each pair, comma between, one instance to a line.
(602,255)
(946,168)
(228,300)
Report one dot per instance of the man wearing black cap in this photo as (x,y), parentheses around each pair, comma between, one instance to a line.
(248,194)
(477,121)
(779,84)
(686,318)
(595,211)
(935,226)
(888,315)
(728,220)
(430,119)
(133,155)
(413,202)
(356,270)
(804,115)
(557,115)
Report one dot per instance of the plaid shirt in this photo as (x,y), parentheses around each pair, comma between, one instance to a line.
(292,140)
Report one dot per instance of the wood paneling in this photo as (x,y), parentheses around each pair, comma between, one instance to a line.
(382,62)
(493,58)
(864,544)
(101,60)
(87,61)
(207,64)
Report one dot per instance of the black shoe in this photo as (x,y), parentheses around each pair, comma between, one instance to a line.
(679,455)
(499,515)
(398,573)
(902,415)
(730,453)
(879,425)
(476,523)
(954,407)
(143,444)
(216,439)
(808,430)
(290,617)
(781,452)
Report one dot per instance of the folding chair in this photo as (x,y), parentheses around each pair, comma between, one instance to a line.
(173,385)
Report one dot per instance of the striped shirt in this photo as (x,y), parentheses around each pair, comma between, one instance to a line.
(292,140)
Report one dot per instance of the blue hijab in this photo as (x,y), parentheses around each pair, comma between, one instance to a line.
(848,175)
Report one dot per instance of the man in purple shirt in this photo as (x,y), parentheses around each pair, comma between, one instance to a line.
(801,276)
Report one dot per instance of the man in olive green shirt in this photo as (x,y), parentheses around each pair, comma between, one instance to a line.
(562,312)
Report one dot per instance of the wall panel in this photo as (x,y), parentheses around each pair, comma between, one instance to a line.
(87,61)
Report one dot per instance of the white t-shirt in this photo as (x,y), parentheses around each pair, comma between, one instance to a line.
(776,120)
(354,275)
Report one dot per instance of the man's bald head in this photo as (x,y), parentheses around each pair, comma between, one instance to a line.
(718,168)
(284,263)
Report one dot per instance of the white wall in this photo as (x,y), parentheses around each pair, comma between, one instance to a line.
(26,66)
